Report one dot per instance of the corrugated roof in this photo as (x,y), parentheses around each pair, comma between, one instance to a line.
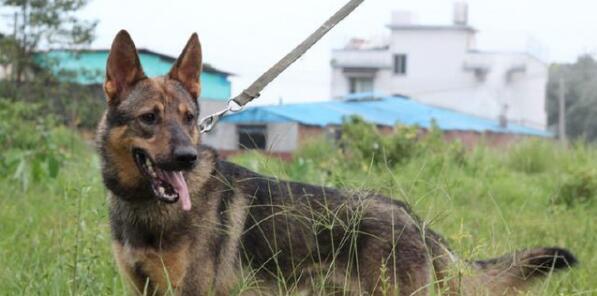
(386,111)
(67,55)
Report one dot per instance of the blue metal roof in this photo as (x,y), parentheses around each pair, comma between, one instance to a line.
(387,111)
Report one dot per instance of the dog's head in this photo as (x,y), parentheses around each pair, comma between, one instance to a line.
(150,133)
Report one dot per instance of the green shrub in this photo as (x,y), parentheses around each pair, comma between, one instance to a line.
(532,156)
(34,146)
(362,141)
(401,145)
(578,187)
(363,145)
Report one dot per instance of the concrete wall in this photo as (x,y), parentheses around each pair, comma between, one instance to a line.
(434,61)
(522,90)
(441,71)
(223,136)
(377,62)
(280,137)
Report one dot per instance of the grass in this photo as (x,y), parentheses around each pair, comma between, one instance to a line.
(485,202)
(55,239)
(54,236)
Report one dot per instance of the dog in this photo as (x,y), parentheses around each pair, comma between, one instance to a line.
(184,222)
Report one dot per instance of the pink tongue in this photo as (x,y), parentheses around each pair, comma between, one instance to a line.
(180,185)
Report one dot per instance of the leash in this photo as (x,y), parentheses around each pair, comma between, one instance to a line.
(237,103)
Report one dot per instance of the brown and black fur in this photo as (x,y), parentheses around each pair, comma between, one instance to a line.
(282,237)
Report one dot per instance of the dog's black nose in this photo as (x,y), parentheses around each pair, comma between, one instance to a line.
(185,155)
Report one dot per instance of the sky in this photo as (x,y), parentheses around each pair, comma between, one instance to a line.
(247,37)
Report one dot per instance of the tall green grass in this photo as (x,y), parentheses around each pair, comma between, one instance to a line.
(54,235)
(55,240)
(486,202)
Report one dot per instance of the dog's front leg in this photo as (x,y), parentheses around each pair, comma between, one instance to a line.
(199,280)
(200,275)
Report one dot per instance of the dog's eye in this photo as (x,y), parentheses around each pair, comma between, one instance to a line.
(189,117)
(148,118)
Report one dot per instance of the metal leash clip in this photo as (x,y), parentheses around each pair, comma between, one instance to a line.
(207,123)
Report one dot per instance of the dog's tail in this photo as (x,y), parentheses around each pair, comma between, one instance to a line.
(504,275)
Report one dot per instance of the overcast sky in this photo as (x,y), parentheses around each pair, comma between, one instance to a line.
(246,37)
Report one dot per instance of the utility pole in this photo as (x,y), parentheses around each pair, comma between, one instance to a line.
(15,25)
(562,112)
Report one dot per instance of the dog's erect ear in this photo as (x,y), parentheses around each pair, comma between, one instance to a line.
(187,68)
(123,69)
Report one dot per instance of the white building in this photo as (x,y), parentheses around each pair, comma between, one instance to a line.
(4,72)
(439,65)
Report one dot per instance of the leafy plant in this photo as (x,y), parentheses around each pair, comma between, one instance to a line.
(533,156)
(32,75)
(363,141)
(578,187)
(34,146)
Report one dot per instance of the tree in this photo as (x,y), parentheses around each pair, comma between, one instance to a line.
(35,25)
(581,97)
(41,24)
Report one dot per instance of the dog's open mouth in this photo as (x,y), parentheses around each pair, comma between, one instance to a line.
(167,186)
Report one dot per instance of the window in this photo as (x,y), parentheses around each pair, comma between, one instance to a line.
(400,64)
(252,136)
(360,84)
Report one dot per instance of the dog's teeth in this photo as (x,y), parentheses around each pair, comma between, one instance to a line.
(162,190)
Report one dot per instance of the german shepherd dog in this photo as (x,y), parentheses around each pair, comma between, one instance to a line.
(186,223)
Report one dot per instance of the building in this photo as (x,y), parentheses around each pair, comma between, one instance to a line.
(4,68)
(87,67)
(281,129)
(440,65)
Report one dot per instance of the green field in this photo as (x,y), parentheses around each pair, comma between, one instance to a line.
(55,240)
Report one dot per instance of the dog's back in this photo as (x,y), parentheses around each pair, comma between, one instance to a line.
(322,238)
